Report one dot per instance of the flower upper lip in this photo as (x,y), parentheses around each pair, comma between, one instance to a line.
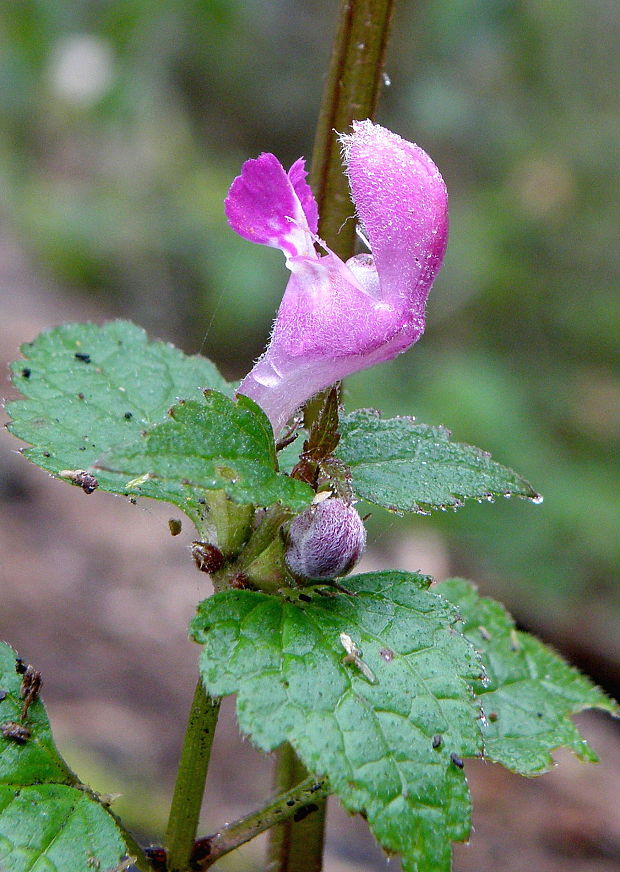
(336,318)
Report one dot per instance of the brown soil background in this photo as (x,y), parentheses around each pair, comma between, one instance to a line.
(97,594)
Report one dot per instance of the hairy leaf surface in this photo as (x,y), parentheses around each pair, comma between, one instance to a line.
(529,691)
(371,689)
(91,393)
(56,828)
(89,387)
(213,444)
(47,822)
(409,467)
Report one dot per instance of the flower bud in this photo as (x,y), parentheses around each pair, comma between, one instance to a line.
(325,541)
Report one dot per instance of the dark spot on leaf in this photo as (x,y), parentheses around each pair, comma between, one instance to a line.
(46,454)
(302,813)
(456,760)
(290,802)
(15,732)
(437,740)
(82,448)
(128,416)
(305,598)
(26,372)
(539,714)
(20,666)
(493,716)
(3,694)
(316,787)
(80,395)
(85,358)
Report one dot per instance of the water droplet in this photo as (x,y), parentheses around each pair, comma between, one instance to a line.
(537,500)
(386,80)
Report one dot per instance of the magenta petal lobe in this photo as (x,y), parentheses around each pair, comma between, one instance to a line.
(262,205)
(297,176)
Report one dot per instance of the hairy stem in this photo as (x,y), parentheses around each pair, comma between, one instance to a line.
(296,845)
(351,93)
(190,783)
(298,803)
(262,536)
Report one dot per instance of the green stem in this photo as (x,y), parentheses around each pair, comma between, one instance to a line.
(263,536)
(351,93)
(299,803)
(296,846)
(190,783)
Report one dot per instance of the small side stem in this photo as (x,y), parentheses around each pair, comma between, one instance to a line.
(190,783)
(299,803)
(296,845)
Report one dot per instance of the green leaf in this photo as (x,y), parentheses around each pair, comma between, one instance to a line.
(409,467)
(212,444)
(36,760)
(368,724)
(529,692)
(56,828)
(92,392)
(48,821)
(90,387)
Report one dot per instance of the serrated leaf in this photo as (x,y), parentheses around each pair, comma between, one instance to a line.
(36,760)
(409,467)
(529,692)
(88,387)
(56,828)
(359,685)
(48,821)
(212,444)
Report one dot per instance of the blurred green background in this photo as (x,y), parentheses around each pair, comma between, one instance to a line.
(124,122)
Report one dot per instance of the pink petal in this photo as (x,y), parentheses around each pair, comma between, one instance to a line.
(328,326)
(297,175)
(402,202)
(263,206)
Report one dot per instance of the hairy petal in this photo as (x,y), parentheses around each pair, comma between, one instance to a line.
(337,318)
(328,326)
(264,206)
(402,202)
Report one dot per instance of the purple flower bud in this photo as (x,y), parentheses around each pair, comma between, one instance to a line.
(336,318)
(325,541)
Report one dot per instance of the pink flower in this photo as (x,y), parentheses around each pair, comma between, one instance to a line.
(336,318)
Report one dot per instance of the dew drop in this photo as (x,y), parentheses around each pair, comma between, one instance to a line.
(537,500)
(386,80)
